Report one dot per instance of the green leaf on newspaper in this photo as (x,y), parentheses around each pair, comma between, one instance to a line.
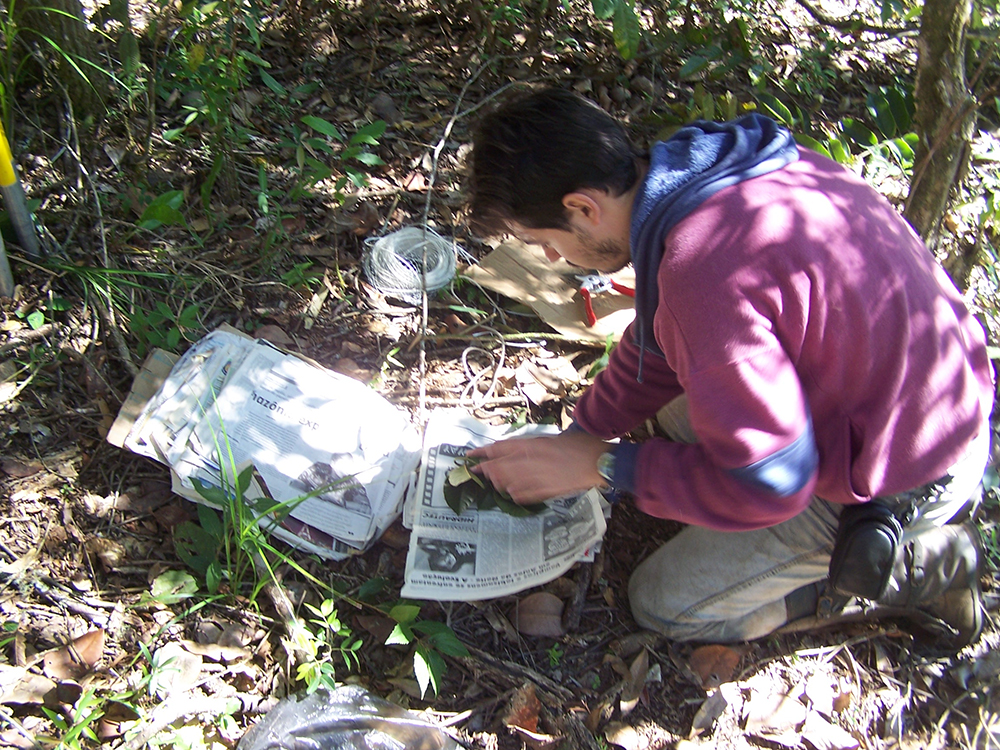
(464,489)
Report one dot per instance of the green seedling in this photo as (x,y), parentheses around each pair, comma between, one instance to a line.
(332,636)
(430,640)
(555,653)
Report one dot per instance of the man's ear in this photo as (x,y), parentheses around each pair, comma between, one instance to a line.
(583,206)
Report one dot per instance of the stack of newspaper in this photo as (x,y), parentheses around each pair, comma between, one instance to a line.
(482,554)
(327,447)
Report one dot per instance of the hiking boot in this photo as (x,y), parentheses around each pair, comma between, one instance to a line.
(935,586)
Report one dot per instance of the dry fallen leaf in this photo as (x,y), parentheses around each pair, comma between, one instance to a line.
(379,626)
(275,335)
(624,736)
(770,714)
(539,614)
(175,670)
(18,685)
(647,736)
(118,718)
(634,683)
(109,552)
(216,652)
(524,708)
(822,735)
(726,697)
(12,467)
(546,379)
(844,698)
(600,712)
(76,658)
(352,369)
(713,665)
(522,718)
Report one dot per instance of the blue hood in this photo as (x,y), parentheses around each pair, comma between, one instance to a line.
(696,162)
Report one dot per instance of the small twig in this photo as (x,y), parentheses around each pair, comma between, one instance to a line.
(509,337)
(28,337)
(432,178)
(106,311)
(7,716)
(296,632)
(116,334)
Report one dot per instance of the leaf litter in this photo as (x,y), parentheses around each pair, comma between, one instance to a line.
(87,528)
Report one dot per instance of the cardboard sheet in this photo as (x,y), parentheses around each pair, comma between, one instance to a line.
(522,272)
(154,371)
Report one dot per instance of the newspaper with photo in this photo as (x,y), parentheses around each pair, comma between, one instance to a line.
(486,554)
(324,445)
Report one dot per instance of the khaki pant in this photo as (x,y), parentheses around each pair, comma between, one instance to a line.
(725,586)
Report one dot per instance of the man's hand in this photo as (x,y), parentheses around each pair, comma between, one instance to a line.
(532,470)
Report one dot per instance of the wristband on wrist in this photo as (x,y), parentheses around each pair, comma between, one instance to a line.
(606,467)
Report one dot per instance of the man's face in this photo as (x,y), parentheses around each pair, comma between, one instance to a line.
(578,247)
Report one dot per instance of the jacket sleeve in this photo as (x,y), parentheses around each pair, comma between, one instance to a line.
(756,461)
(617,403)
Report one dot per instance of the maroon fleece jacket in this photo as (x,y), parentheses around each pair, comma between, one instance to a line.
(800,294)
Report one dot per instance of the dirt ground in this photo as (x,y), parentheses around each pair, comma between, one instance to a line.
(86,528)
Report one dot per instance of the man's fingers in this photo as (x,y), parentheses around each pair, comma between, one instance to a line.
(505,482)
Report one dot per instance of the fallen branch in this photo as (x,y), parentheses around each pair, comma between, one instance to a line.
(854,24)
(458,401)
(543,683)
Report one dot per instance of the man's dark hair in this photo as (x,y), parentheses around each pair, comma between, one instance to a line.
(537,147)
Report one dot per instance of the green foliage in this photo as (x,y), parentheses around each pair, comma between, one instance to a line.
(602,362)
(719,50)
(37,37)
(170,587)
(225,547)
(162,328)
(302,275)
(228,545)
(431,642)
(555,653)
(44,313)
(164,210)
(625,27)
(8,632)
(208,64)
(79,725)
(882,145)
(321,150)
(331,637)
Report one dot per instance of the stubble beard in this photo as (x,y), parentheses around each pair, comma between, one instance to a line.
(609,255)
(614,253)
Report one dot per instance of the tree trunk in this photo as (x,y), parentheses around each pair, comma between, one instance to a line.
(945,114)
(63,22)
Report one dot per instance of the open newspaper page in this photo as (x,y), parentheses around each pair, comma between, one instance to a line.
(486,554)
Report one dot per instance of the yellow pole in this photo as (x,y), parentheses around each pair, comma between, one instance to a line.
(15,201)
